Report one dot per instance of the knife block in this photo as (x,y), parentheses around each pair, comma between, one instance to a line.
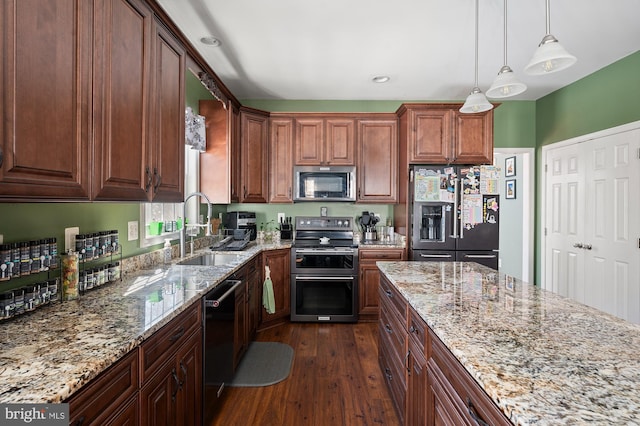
(286,231)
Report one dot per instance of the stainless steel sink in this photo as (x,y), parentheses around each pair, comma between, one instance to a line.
(211,259)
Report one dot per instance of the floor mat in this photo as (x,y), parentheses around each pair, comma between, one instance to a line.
(264,364)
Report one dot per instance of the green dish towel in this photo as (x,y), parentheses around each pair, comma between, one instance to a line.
(268,300)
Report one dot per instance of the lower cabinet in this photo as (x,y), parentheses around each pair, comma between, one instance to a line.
(279,262)
(369,282)
(111,398)
(428,385)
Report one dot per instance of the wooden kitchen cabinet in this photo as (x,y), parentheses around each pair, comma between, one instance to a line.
(254,296)
(254,126)
(279,263)
(280,160)
(45,92)
(325,141)
(416,413)
(368,299)
(109,399)
(377,146)
(440,134)
(171,372)
(139,106)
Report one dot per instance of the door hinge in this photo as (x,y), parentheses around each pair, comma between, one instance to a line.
(545,168)
(545,232)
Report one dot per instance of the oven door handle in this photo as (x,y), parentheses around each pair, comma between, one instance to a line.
(328,251)
(325,278)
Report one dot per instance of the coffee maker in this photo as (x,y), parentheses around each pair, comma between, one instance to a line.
(241,220)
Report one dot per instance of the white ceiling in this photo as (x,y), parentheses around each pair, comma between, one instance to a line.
(331,49)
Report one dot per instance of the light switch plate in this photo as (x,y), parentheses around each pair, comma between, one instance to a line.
(1,238)
(281,217)
(70,238)
(132,230)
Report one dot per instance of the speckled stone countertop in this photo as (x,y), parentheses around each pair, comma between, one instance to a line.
(542,358)
(47,355)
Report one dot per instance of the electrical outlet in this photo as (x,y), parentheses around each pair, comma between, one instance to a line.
(281,217)
(1,238)
(70,238)
(132,233)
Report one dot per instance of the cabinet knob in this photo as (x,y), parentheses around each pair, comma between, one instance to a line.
(158,180)
(149,179)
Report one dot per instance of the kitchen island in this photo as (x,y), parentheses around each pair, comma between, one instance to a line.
(542,359)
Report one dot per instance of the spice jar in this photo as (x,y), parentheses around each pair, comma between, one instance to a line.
(18,301)
(53,252)
(45,256)
(69,276)
(44,293)
(53,289)
(25,258)
(31,297)
(5,261)
(14,266)
(34,252)
(6,304)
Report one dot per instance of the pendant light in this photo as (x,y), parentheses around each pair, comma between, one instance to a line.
(550,56)
(476,101)
(506,84)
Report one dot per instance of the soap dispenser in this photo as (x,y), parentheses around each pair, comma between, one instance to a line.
(167,251)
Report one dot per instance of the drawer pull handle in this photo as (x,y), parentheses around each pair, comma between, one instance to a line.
(413,329)
(177,336)
(388,293)
(387,373)
(80,421)
(177,382)
(387,327)
(474,415)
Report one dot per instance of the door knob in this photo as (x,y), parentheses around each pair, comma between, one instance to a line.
(578,245)
(587,246)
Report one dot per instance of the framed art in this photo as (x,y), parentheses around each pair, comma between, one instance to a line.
(510,166)
(510,189)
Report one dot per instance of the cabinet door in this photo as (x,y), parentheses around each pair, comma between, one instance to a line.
(309,149)
(236,153)
(167,121)
(254,157)
(473,138)
(254,297)
(280,167)
(216,162)
(122,80)
(416,386)
(189,367)
(45,92)
(340,142)
(158,397)
(377,161)
(279,264)
(368,295)
(429,136)
(442,409)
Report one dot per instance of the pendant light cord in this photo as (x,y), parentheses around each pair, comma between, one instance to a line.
(476,85)
(505,32)
(548,19)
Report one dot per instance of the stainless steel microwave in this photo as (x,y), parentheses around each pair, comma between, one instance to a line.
(324,183)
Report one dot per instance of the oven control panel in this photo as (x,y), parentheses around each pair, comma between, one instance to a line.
(334,223)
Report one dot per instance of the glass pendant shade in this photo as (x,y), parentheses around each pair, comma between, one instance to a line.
(506,84)
(549,57)
(476,102)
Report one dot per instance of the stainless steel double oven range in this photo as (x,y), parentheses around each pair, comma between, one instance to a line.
(324,270)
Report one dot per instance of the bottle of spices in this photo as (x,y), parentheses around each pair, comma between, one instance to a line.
(25,258)
(88,247)
(80,242)
(115,240)
(102,275)
(6,304)
(18,301)
(53,252)
(89,279)
(31,297)
(53,289)
(82,282)
(44,293)
(34,252)
(45,257)
(5,261)
(14,267)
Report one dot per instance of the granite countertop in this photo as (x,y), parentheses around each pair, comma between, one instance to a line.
(542,358)
(52,352)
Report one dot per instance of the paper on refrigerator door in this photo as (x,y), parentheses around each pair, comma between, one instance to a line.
(427,186)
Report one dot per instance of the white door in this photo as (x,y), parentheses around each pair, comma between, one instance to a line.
(565,222)
(591,247)
(612,256)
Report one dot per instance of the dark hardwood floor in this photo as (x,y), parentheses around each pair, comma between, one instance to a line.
(335,380)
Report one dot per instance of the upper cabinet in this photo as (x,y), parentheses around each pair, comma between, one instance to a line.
(216,162)
(139,106)
(254,135)
(280,167)
(440,134)
(324,141)
(45,92)
(377,179)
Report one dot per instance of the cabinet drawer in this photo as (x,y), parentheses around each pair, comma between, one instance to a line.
(163,343)
(474,398)
(392,334)
(394,377)
(103,397)
(391,296)
(377,254)
(418,331)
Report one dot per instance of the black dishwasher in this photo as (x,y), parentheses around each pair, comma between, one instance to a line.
(219,315)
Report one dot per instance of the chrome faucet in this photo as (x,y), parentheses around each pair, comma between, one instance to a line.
(183,231)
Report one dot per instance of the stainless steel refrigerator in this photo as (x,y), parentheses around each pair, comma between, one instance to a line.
(455,213)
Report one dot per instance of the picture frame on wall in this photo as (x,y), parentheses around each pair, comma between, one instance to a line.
(510,189)
(510,166)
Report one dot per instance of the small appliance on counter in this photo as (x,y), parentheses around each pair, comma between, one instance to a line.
(367,223)
(241,220)
(235,239)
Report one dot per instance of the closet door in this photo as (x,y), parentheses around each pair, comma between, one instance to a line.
(592,242)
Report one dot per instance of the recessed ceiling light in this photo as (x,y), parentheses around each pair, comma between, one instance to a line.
(210,41)
(381,79)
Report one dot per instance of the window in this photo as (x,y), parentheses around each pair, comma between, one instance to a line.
(164,220)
